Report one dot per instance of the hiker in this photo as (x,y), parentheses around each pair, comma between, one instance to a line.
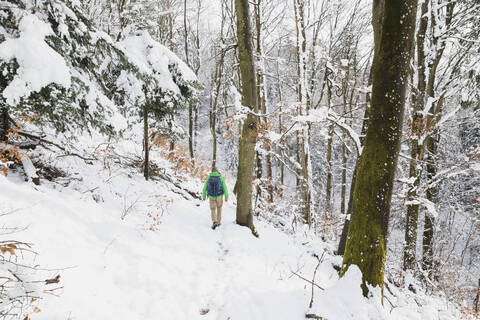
(215,188)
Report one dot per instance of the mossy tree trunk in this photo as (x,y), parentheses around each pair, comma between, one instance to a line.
(416,151)
(343,237)
(249,134)
(377,18)
(367,233)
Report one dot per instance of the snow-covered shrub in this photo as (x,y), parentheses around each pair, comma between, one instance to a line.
(56,65)
(21,288)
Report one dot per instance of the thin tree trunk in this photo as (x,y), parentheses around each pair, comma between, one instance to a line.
(146,146)
(367,233)
(4,124)
(432,139)
(186,31)
(214,101)
(432,192)
(171,46)
(416,152)
(303,139)
(280,124)
(190,132)
(344,176)
(477,297)
(190,104)
(249,134)
(261,99)
(328,191)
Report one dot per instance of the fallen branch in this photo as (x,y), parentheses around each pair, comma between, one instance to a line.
(314,274)
(178,185)
(53,280)
(314,316)
(42,140)
(312,283)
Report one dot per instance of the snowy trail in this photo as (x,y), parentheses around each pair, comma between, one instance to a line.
(118,269)
(121,271)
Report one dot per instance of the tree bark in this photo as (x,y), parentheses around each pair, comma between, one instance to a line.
(344,176)
(260,87)
(146,146)
(303,138)
(343,237)
(416,151)
(190,132)
(214,102)
(328,191)
(4,124)
(190,104)
(249,134)
(367,234)
(432,139)
(171,45)
(477,297)
(377,18)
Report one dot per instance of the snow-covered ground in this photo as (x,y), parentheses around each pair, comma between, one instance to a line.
(175,266)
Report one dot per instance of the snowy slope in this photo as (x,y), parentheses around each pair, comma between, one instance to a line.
(117,268)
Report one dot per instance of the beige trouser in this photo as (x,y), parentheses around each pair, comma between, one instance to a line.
(216,209)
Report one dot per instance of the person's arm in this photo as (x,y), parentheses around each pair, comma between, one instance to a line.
(204,192)
(225,190)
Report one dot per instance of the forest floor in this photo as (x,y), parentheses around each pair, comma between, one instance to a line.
(130,249)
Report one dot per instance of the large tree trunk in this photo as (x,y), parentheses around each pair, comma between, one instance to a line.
(416,151)
(367,234)
(343,237)
(249,134)
(377,18)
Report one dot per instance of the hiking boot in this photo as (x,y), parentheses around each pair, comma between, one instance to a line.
(214,225)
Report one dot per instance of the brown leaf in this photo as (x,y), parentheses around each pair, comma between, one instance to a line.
(204,311)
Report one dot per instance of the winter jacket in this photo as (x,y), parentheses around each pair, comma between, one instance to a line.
(224,187)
